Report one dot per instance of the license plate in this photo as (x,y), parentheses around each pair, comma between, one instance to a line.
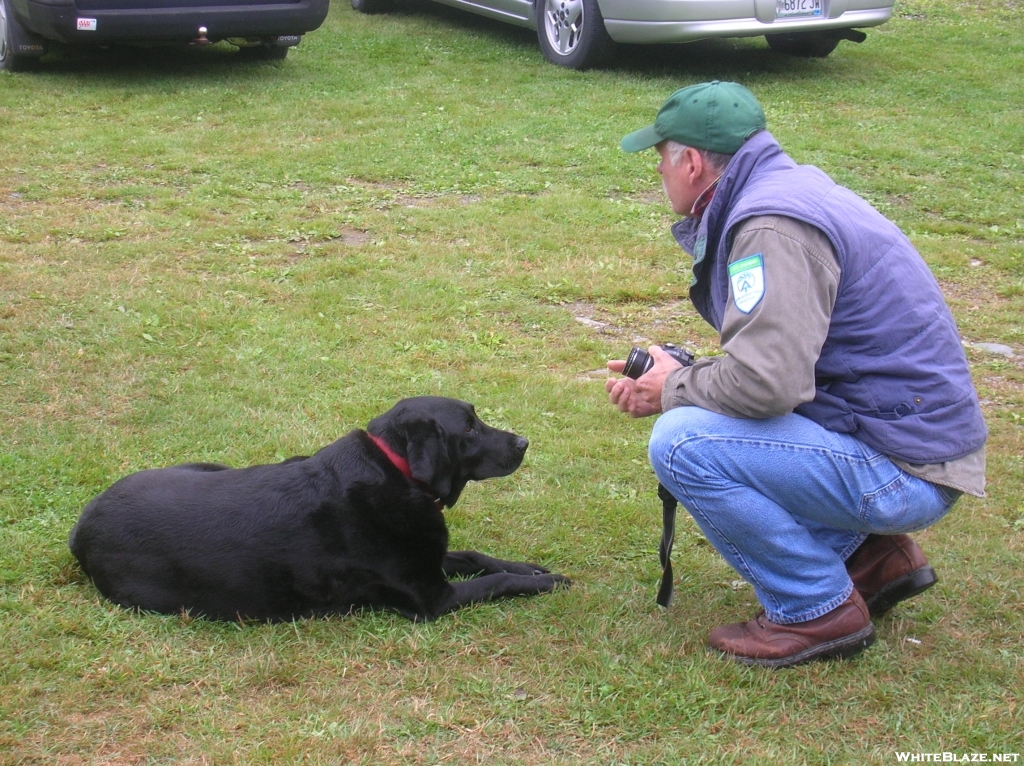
(787,9)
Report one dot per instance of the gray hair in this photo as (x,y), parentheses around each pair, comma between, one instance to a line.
(716,160)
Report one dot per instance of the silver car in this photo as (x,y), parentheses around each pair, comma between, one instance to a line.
(583,33)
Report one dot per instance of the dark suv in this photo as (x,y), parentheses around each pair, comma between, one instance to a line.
(260,28)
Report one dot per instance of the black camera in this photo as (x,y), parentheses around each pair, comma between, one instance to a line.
(639,361)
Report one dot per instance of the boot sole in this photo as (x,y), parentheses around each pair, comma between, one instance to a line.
(837,649)
(901,589)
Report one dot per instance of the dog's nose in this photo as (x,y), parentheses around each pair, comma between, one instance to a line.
(522,443)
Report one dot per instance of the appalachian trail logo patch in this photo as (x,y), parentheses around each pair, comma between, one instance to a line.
(747,278)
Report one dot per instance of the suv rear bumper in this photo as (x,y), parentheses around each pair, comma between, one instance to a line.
(61,20)
(690,31)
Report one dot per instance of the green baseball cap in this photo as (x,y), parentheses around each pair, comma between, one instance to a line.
(716,116)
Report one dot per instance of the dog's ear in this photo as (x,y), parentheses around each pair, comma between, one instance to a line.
(427,452)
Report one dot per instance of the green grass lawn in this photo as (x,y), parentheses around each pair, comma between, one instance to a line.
(205,259)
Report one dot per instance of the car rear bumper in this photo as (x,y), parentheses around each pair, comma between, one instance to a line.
(62,20)
(678,21)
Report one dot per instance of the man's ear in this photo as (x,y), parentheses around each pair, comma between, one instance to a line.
(427,452)
(696,161)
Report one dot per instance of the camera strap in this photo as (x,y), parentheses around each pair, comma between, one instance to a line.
(668,533)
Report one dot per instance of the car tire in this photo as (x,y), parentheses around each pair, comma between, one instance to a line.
(815,45)
(10,61)
(371,6)
(572,33)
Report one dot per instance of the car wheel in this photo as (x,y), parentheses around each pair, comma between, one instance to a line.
(572,33)
(9,60)
(815,45)
(371,6)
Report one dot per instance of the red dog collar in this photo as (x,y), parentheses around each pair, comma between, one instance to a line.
(399,462)
(402,465)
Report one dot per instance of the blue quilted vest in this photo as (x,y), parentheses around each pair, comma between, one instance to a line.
(892,371)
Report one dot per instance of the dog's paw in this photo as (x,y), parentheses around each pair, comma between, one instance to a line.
(535,569)
(561,581)
(523,568)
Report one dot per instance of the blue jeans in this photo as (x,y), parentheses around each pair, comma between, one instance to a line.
(786,502)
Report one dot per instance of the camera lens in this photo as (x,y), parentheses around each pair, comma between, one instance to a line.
(637,363)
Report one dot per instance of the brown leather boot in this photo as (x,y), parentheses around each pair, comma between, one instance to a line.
(843,632)
(887,569)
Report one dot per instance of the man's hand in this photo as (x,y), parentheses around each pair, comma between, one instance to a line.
(640,398)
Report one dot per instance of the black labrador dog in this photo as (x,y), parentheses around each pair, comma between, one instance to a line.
(357,525)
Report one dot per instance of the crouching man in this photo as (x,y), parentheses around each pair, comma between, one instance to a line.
(842,414)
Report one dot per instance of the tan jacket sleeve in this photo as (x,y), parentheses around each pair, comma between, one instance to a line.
(770,348)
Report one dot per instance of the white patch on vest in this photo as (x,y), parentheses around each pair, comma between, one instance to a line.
(747,276)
